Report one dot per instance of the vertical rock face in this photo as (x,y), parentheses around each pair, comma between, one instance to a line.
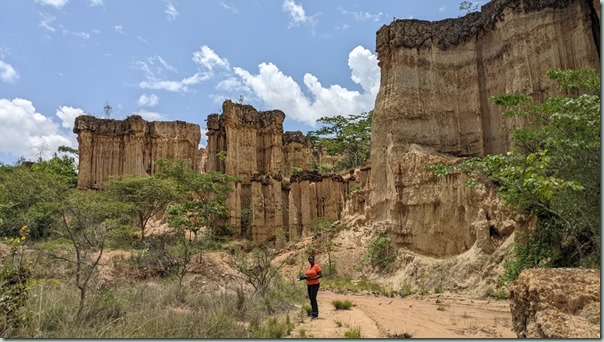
(112,148)
(436,80)
(266,205)
(556,303)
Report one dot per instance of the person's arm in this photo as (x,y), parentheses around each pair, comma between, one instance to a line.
(319,275)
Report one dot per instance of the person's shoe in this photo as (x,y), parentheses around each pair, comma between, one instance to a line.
(314,317)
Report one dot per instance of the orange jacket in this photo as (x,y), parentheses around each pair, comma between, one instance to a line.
(312,272)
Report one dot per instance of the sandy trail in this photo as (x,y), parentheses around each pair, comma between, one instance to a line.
(435,316)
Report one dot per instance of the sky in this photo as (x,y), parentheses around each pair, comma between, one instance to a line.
(170,60)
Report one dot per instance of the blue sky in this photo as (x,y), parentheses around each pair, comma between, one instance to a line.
(179,59)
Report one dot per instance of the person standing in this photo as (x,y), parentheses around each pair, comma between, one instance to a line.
(313,273)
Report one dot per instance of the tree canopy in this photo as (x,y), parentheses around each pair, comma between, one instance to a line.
(348,138)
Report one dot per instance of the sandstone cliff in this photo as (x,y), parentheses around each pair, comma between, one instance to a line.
(433,105)
(112,148)
(273,200)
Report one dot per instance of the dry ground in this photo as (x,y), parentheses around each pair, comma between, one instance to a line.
(444,316)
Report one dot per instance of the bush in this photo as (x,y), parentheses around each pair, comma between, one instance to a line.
(342,304)
(353,333)
(380,252)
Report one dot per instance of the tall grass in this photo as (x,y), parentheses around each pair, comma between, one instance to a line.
(156,309)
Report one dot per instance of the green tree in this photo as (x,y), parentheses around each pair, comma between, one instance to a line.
(552,173)
(146,196)
(28,197)
(346,137)
(203,204)
(62,167)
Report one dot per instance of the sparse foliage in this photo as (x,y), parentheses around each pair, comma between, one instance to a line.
(256,269)
(87,216)
(468,6)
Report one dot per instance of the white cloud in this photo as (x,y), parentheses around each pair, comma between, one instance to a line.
(365,70)
(155,67)
(442,8)
(277,90)
(228,7)
(142,39)
(118,29)
(207,58)
(297,14)
(362,16)
(232,85)
(68,115)
(7,72)
(96,3)
(165,64)
(79,34)
(24,130)
(149,116)
(46,21)
(171,11)
(342,27)
(55,3)
(148,100)
(174,86)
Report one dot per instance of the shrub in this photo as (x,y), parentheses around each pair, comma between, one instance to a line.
(342,304)
(496,293)
(353,333)
(380,252)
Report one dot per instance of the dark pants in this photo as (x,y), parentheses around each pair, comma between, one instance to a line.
(312,295)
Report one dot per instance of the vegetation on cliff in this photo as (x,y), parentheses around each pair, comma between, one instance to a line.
(551,173)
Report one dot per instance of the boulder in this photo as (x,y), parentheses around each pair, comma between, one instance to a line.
(556,303)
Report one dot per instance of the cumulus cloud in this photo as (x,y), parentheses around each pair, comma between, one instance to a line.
(54,3)
(7,72)
(171,11)
(148,100)
(118,29)
(297,14)
(68,115)
(96,3)
(24,130)
(277,90)
(207,58)
(364,68)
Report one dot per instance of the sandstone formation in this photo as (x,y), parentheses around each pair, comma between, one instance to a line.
(556,303)
(276,196)
(433,105)
(112,148)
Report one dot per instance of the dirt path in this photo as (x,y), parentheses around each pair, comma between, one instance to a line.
(436,316)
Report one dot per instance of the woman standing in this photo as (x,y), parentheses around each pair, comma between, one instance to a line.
(313,273)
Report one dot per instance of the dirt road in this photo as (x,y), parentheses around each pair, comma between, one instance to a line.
(435,316)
